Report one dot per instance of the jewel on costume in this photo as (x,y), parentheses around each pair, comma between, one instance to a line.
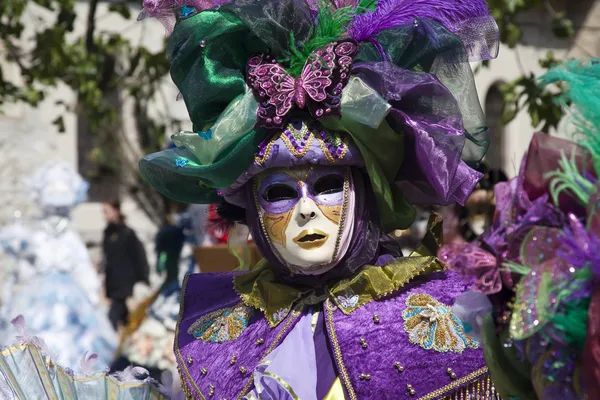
(206,135)
(181,162)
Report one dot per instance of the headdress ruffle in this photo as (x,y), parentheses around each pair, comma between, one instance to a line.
(419,130)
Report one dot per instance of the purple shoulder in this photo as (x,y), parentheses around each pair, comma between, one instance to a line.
(407,345)
(219,341)
(203,294)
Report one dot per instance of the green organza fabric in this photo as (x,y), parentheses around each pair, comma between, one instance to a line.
(208,54)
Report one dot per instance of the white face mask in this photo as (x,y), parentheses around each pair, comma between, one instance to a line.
(303,214)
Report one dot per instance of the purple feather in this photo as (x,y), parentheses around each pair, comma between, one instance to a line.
(580,247)
(392,13)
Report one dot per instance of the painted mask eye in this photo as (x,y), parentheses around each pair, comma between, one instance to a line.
(328,184)
(279,192)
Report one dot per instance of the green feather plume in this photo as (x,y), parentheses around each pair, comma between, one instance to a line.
(366,5)
(582,99)
(330,25)
(583,94)
(568,178)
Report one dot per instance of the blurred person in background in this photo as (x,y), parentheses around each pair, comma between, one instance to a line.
(169,244)
(148,339)
(125,262)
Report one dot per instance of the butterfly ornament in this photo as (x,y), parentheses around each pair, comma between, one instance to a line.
(318,88)
(473,261)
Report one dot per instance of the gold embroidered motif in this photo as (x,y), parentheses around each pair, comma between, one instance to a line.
(296,149)
(339,143)
(222,325)
(433,325)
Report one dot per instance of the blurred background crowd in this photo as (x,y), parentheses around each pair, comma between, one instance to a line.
(92,257)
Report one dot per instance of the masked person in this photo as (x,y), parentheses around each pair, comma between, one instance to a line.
(317,125)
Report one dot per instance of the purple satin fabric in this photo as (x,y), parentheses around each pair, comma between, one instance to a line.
(388,343)
(294,363)
(326,371)
(429,116)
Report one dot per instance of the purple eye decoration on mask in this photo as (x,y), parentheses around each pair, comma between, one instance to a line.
(280,192)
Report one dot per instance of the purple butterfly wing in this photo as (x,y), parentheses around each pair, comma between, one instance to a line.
(316,79)
(326,73)
(472,261)
(273,87)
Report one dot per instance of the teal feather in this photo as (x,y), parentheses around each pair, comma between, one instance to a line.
(582,92)
(581,96)
(569,178)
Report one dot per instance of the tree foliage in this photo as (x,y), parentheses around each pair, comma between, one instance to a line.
(97,64)
(523,93)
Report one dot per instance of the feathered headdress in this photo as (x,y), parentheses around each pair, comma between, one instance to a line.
(394,75)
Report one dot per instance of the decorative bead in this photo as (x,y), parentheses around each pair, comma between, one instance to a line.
(410,390)
(376,318)
(260,341)
(243,370)
(189,360)
(363,343)
(451,373)
(203,43)
(365,377)
(319,112)
(203,371)
(211,390)
(233,359)
(186,11)
(399,366)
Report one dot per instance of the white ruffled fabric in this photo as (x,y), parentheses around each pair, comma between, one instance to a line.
(28,370)
(54,285)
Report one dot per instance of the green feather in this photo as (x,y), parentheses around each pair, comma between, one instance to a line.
(573,322)
(568,177)
(366,5)
(330,25)
(517,268)
(573,316)
(582,93)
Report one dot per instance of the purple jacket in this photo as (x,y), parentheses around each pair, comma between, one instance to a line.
(408,345)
